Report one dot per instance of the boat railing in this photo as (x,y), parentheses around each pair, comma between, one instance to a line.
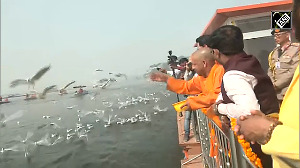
(220,147)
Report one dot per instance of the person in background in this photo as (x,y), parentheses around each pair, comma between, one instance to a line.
(188,75)
(283,61)
(80,91)
(278,138)
(202,41)
(182,68)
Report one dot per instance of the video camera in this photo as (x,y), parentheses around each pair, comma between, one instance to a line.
(172,59)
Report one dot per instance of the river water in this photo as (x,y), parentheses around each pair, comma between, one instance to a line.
(129,125)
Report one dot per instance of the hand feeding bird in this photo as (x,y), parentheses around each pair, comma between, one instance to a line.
(31,81)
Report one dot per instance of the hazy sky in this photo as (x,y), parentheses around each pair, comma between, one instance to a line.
(76,37)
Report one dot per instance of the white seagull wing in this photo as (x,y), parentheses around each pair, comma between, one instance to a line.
(18,82)
(69,84)
(47,89)
(40,73)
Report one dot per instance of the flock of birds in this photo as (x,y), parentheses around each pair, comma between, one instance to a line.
(102,83)
(57,132)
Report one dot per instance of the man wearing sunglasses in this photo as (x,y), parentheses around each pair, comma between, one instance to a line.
(283,61)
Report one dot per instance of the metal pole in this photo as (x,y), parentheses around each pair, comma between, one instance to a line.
(192,159)
(233,149)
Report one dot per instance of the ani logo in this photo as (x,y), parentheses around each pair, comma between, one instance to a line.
(281,20)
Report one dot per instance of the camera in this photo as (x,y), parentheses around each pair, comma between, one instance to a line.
(172,59)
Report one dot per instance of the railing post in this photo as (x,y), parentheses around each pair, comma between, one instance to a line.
(224,141)
(233,149)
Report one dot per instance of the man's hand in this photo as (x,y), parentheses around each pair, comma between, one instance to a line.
(189,66)
(187,106)
(253,127)
(159,77)
(225,121)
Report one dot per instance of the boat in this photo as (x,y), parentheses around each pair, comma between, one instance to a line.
(4,102)
(31,96)
(84,92)
(80,92)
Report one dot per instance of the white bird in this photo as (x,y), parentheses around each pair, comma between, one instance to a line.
(46,90)
(71,107)
(154,65)
(63,90)
(158,109)
(121,75)
(106,83)
(30,81)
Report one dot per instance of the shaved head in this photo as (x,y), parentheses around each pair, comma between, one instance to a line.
(203,53)
(202,61)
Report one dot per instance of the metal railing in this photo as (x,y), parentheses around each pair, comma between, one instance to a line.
(220,147)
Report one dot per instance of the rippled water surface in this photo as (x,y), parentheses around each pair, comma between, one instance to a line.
(125,125)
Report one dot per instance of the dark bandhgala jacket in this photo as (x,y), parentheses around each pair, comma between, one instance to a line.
(264,90)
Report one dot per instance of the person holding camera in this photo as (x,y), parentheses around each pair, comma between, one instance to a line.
(182,68)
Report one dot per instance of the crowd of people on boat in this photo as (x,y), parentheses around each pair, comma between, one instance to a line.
(228,85)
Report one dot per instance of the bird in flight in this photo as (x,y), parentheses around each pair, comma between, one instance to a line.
(121,75)
(30,81)
(46,90)
(63,90)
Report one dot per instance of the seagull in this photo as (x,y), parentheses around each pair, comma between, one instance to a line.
(154,65)
(121,75)
(99,70)
(105,84)
(63,90)
(71,107)
(103,80)
(112,80)
(46,90)
(30,81)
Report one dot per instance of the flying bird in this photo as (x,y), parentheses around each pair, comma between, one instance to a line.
(121,75)
(112,80)
(154,65)
(103,80)
(30,81)
(68,85)
(80,86)
(63,90)
(99,70)
(46,90)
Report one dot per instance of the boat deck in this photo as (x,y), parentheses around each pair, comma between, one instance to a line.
(192,147)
